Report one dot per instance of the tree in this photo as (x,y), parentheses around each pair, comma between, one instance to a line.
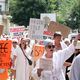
(68,13)
(64,9)
(74,19)
(12,5)
(23,10)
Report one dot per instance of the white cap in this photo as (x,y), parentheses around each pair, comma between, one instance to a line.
(45,42)
(67,39)
(7,36)
(58,32)
(14,40)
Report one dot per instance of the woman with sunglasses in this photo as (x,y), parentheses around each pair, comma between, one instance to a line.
(39,73)
(58,59)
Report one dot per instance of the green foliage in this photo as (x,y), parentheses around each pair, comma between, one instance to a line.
(64,10)
(68,11)
(12,5)
(23,10)
(74,19)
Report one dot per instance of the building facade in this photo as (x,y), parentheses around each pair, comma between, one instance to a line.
(4,6)
(4,11)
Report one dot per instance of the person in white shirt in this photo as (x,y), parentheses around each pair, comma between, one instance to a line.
(13,68)
(22,65)
(39,73)
(58,60)
(75,69)
(59,45)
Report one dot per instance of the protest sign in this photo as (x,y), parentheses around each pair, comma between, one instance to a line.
(55,26)
(1,29)
(17,32)
(38,51)
(46,64)
(50,16)
(36,28)
(5,52)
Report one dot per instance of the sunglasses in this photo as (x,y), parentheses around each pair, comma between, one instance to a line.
(51,46)
(14,42)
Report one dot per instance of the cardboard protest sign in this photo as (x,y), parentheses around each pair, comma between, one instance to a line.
(5,52)
(38,51)
(55,26)
(1,29)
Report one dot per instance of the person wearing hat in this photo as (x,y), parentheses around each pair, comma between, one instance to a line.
(75,68)
(57,39)
(67,64)
(70,60)
(22,64)
(59,45)
(58,59)
(13,67)
(41,74)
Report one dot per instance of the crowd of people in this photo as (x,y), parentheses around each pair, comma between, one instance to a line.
(63,55)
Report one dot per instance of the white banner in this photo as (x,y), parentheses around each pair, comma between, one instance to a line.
(16,31)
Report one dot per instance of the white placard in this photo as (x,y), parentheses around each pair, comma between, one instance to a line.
(51,16)
(16,31)
(36,28)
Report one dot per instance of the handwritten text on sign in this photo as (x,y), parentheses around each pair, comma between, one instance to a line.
(38,51)
(5,52)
